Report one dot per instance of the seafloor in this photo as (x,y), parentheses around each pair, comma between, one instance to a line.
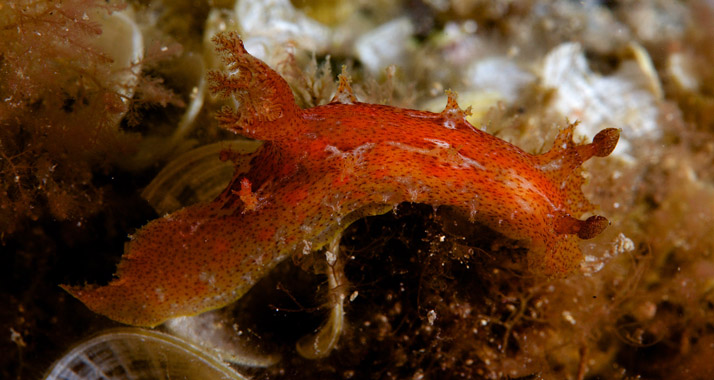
(98,97)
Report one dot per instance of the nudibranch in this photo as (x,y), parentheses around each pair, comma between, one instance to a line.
(320,169)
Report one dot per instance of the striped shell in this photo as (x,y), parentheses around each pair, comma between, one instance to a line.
(138,354)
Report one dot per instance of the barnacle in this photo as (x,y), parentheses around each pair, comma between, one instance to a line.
(138,354)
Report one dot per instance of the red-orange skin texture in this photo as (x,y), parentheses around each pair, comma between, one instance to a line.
(320,169)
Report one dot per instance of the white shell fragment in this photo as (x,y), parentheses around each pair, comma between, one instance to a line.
(215,333)
(620,245)
(498,75)
(385,45)
(626,99)
(651,21)
(681,68)
(270,23)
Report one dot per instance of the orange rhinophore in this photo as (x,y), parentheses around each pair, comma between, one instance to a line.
(320,169)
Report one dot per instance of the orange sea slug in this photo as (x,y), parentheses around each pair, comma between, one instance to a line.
(322,168)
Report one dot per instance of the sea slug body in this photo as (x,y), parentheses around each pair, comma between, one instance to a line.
(322,168)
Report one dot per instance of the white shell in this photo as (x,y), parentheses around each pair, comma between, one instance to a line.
(138,354)
(627,99)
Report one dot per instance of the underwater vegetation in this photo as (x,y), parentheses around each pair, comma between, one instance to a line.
(67,84)
(340,238)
